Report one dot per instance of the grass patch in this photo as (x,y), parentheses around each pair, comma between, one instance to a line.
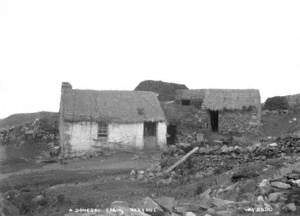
(45,179)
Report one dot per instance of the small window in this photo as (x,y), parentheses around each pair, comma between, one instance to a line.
(102,130)
(185,102)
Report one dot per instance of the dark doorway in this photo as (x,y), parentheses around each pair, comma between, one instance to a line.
(214,120)
(185,102)
(171,131)
(149,129)
(150,140)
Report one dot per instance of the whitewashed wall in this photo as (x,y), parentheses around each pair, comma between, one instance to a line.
(161,131)
(83,135)
(130,135)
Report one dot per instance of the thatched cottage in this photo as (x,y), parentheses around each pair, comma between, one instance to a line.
(215,110)
(92,119)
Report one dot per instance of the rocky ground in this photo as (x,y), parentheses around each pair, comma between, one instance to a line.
(224,176)
(263,178)
(222,179)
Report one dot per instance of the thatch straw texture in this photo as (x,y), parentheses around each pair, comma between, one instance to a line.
(293,100)
(111,106)
(220,99)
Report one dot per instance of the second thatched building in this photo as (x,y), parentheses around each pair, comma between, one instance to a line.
(225,111)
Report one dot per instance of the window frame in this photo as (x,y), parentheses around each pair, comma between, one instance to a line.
(102,130)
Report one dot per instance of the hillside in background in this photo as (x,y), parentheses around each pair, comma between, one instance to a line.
(165,90)
(23,118)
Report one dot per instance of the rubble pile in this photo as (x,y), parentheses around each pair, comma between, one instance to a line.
(216,159)
(38,130)
(40,137)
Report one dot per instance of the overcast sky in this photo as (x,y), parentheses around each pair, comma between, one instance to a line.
(116,44)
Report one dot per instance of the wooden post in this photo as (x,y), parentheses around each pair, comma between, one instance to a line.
(181,160)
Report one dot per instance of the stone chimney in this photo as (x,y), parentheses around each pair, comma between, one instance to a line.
(65,86)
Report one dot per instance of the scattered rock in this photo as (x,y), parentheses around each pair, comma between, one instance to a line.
(290,207)
(224,213)
(140,175)
(167,202)
(211,211)
(273,144)
(165,181)
(280,185)
(244,174)
(117,204)
(220,203)
(39,200)
(132,172)
(189,214)
(274,197)
(150,204)
(260,199)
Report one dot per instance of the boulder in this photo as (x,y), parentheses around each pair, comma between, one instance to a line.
(225,149)
(260,199)
(133,173)
(39,200)
(224,213)
(189,214)
(211,211)
(280,185)
(151,204)
(151,207)
(296,182)
(166,202)
(117,204)
(274,197)
(273,144)
(290,207)
(165,181)
(220,203)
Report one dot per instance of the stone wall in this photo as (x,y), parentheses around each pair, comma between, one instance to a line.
(189,128)
(192,122)
(239,121)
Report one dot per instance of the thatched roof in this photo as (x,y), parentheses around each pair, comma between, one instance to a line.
(110,106)
(219,99)
(293,100)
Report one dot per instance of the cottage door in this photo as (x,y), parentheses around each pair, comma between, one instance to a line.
(171,134)
(150,140)
(214,120)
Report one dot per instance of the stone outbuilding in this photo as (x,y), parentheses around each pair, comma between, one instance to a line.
(91,119)
(224,111)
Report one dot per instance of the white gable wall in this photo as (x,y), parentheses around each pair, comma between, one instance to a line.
(161,133)
(130,135)
(83,135)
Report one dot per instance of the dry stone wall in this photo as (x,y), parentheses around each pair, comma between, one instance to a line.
(238,122)
(190,128)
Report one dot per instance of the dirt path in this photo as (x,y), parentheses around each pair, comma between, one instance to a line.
(93,183)
(118,161)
